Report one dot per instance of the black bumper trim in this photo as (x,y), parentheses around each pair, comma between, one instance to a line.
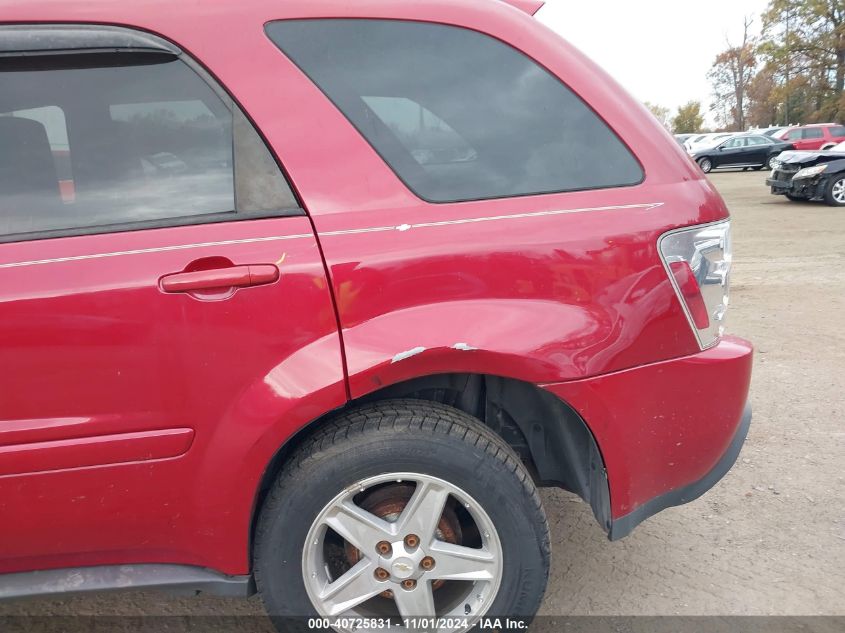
(623,526)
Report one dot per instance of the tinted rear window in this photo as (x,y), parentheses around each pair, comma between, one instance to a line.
(839,130)
(456,114)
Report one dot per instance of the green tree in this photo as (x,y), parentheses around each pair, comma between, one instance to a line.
(661,113)
(804,48)
(689,119)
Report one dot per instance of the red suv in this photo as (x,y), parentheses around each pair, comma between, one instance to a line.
(310,297)
(813,137)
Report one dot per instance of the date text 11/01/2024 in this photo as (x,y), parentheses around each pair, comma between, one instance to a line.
(417,624)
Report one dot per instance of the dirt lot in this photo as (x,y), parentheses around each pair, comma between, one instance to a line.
(770,538)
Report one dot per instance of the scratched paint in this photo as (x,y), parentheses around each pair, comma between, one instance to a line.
(405,355)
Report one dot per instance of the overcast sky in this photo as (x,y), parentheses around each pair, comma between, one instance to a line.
(660,50)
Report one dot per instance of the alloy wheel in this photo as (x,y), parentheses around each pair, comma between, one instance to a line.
(400,546)
(837,192)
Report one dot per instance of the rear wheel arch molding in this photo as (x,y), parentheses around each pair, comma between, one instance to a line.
(551,438)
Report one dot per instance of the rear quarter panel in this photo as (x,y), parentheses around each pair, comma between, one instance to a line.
(541,288)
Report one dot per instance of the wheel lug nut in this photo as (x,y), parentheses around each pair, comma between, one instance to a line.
(427,563)
(382,574)
(384,548)
(409,584)
(412,541)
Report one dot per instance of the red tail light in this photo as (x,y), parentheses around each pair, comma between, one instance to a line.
(691,293)
(698,261)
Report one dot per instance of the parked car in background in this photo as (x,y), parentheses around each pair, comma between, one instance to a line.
(813,137)
(743,150)
(769,131)
(706,140)
(802,175)
(682,138)
(695,138)
(331,300)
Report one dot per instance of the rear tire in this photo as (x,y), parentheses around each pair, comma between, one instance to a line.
(404,448)
(706,165)
(834,193)
(770,162)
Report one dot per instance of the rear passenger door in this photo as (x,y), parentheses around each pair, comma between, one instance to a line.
(757,152)
(154,266)
(812,138)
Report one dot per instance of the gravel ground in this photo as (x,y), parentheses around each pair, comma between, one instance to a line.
(767,540)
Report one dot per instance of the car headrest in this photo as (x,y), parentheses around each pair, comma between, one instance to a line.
(27,166)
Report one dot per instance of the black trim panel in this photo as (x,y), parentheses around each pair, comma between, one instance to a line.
(623,526)
(176,579)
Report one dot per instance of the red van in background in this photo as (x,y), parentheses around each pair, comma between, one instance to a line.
(313,308)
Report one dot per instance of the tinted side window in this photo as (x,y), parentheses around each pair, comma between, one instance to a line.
(100,140)
(456,114)
(838,130)
(813,132)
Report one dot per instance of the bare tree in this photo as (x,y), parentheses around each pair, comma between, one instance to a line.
(731,76)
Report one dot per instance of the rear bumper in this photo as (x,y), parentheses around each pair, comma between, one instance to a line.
(667,431)
(623,526)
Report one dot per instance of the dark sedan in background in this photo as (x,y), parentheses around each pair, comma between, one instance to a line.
(810,176)
(742,150)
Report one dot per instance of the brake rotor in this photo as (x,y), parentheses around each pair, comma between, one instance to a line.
(388,502)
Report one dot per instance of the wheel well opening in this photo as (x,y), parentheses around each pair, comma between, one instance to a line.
(551,439)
